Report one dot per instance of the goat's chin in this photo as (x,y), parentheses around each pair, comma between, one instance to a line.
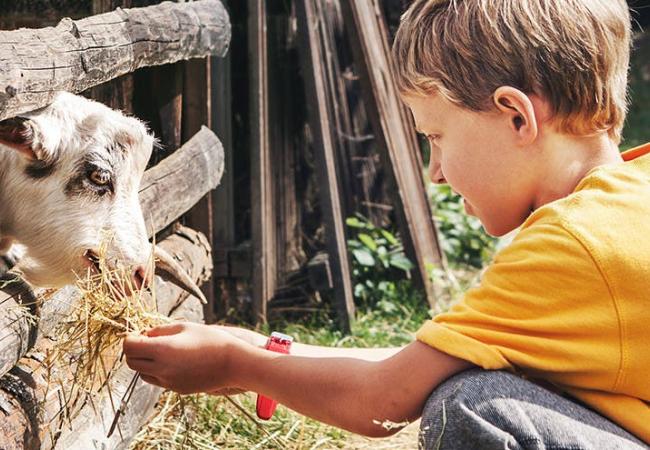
(41,275)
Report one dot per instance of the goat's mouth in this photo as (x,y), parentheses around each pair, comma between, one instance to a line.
(165,266)
(91,260)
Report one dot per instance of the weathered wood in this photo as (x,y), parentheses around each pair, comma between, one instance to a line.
(168,190)
(224,195)
(320,119)
(178,182)
(167,90)
(76,55)
(118,92)
(286,111)
(396,136)
(262,173)
(197,112)
(31,419)
(320,274)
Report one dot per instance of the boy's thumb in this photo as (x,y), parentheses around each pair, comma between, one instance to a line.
(165,330)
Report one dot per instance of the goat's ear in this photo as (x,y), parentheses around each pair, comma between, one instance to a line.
(19,134)
(25,136)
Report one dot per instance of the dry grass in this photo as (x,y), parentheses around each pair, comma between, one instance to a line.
(87,349)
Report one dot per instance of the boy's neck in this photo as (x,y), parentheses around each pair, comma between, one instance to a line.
(567,159)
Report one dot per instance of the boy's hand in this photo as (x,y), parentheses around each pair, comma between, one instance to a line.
(185,357)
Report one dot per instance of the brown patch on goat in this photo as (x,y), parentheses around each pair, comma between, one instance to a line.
(40,169)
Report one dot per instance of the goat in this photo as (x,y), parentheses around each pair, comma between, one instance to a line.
(69,177)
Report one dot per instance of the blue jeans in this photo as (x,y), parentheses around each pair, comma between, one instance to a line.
(490,410)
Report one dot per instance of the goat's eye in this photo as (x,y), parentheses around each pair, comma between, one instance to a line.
(100,177)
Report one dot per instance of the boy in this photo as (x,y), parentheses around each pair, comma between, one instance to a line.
(523,104)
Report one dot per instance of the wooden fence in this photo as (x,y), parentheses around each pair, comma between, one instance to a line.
(76,55)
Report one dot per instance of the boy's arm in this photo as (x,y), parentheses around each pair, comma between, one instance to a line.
(314,351)
(348,392)
(355,394)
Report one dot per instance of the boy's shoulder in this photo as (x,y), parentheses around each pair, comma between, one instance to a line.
(607,212)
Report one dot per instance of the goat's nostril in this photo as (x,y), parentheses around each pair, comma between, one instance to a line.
(139,279)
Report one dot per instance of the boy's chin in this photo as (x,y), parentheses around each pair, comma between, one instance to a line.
(498,229)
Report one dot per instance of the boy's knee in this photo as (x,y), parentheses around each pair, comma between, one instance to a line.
(481,409)
(452,417)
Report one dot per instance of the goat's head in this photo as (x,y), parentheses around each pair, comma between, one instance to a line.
(73,181)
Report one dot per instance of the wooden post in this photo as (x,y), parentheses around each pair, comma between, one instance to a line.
(118,92)
(262,196)
(320,119)
(197,112)
(395,136)
(223,198)
(76,55)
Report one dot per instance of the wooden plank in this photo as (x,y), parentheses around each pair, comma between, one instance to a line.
(89,423)
(223,196)
(197,112)
(178,182)
(76,55)
(262,174)
(320,120)
(285,113)
(118,92)
(396,136)
(167,92)
(319,272)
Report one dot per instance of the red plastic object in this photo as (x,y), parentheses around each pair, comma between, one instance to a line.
(280,343)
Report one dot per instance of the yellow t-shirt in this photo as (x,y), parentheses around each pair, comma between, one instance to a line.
(569,300)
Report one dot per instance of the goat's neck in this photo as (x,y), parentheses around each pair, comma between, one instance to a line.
(8,162)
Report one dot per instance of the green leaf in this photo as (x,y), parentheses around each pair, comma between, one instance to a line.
(363,257)
(368,241)
(401,262)
(354,222)
(390,237)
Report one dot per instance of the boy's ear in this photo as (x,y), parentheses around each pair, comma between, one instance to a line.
(23,135)
(520,112)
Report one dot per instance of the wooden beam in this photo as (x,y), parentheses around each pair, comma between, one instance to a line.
(32,406)
(178,182)
(197,113)
(167,93)
(320,119)
(262,196)
(118,92)
(76,55)
(395,135)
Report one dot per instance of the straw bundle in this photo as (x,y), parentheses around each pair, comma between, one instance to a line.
(88,342)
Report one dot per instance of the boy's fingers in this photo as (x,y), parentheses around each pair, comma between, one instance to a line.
(138,346)
(144,366)
(165,330)
(151,380)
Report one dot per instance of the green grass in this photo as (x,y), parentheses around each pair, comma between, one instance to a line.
(206,422)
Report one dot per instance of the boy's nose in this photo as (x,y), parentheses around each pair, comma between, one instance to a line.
(435,173)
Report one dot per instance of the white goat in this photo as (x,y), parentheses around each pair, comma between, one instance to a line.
(69,176)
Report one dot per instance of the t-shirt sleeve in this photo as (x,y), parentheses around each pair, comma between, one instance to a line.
(542,305)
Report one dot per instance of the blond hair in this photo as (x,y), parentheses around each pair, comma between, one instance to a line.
(575,53)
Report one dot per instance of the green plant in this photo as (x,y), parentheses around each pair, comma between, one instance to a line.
(461,236)
(380,269)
